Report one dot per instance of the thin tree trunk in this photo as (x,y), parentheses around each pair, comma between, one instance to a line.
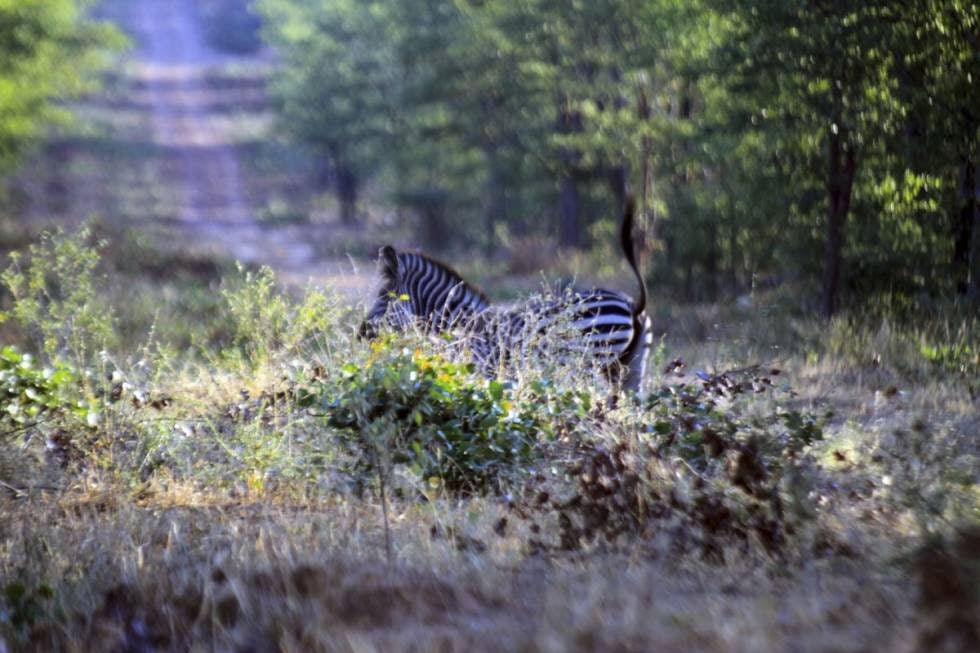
(733,253)
(570,212)
(496,212)
(323,174)
(434,225)
(711,262)
(689,281)
(617,182)
(840,180)
(733,249)
(965,245)
(646,154)
(347,189)
(570,201)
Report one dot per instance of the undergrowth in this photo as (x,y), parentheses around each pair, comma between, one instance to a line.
(715,468)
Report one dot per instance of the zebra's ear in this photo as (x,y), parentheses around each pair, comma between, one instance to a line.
(388,262)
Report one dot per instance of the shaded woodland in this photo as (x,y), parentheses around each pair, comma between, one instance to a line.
(830,143)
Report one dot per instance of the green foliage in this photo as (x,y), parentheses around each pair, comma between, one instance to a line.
(22,607)
(49,51)
(32,394)
(55,298)
(258,313)
(701,422)
(953,357)
(706,465)
(916,339)
(450,427)
(263,321)
(721,115)
(931,471)
(335,91)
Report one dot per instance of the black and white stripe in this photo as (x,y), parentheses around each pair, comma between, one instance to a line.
(599,327)
(594,327)
(418,291)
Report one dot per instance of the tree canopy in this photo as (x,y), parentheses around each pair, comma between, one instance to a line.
(832,144)
(49,50)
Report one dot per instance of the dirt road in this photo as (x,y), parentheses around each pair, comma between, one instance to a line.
(181,147)
(189,119)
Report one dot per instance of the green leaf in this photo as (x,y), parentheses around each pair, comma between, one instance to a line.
(496,390)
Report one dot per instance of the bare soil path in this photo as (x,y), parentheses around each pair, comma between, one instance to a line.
(182,149)
(172,64)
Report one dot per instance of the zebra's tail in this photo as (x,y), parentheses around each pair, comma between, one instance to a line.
(626,239)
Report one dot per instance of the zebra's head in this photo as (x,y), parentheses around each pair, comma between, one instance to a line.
(418,290)
(391,307)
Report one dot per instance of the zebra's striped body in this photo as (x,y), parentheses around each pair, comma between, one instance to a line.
(597,326)
(419,291)
(594,327)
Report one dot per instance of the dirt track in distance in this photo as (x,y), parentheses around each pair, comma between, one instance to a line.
(181,147)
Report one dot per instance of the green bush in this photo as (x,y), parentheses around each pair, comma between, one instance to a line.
(55,298)
(916,340)
(23,606)
(264,323)
(50,51)
(448,425)
(702,464)
(699,422)
(30,394)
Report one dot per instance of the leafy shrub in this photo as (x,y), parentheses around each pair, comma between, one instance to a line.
(930,471)
(915,339)
(948,571)
(699,467)
(265,323)
(445,423)
(22,607)
(699,422)
(55,298)
(28,393)
(258,314)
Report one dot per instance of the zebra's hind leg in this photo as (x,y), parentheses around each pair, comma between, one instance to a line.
(634,366)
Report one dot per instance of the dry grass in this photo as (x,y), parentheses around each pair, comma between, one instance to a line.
(267,577)
(208,510)
(198,555)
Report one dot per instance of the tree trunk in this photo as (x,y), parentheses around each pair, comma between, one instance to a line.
(435,232)
(965,245)
(570,212)
(617,182)
(711,261)
(646,174)
(323,175)
(840,181)
(496,211)
(732,269)
(733,252)
(570,201)
(347,187)
(688,280)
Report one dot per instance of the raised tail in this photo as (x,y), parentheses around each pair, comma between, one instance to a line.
(626,239)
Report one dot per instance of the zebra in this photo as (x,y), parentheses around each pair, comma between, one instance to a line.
(595,326)
(420,291)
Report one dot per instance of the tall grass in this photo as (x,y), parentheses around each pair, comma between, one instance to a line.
(286,485)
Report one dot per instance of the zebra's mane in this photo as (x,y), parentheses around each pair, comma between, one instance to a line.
(392,262)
